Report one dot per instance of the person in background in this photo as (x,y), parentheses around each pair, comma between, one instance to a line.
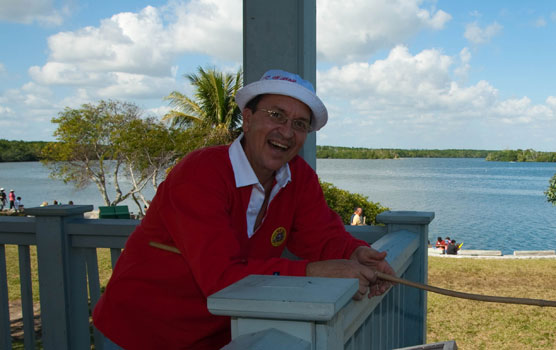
(12,199)
(452,248)
(70,203)
(55,202)
(440,244)
(17,204)
(2,198)
(44,204)
(263,198)
(356,217)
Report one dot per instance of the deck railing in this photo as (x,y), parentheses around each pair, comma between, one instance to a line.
(314,313)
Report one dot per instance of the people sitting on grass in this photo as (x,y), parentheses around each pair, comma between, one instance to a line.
(452,248)
(440,245)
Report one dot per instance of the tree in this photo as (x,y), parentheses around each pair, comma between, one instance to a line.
(213,105)
(551,190)
(110,138)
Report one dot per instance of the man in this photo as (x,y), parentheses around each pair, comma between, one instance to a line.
(356,217)
(231,210)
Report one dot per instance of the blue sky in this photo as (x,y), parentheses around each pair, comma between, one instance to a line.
(393,73)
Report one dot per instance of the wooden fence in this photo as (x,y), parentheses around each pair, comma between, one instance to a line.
(314,313)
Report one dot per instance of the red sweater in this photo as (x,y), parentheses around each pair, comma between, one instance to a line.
(158,300)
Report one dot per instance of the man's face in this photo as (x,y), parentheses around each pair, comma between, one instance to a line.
(269,145)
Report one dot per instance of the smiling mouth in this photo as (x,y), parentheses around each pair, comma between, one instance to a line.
(279,146)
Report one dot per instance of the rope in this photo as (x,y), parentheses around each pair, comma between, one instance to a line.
(451,293)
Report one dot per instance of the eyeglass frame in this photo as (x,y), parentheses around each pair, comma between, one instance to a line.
(284,119)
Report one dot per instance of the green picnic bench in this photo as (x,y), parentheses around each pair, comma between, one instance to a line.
(114,212)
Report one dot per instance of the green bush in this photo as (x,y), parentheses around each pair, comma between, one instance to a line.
(344,203)
(551,190)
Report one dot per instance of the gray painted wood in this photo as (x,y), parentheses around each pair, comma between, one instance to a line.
(114,255)
(91,259)
(268,339)
(53,280)
(57,275)
(415,300)
(59,210)
(281,35)
(26,296)
(367,233)
(405,217)
(6,338)
(285,297)
(79,301)
(300,329)
(17,224)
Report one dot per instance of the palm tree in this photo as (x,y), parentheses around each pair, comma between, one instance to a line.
(213,104)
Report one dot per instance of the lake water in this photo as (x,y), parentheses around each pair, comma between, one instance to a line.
(487,205)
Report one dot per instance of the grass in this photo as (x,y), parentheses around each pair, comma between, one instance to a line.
(474,325)
(12,268)
(480,325)
(14,291)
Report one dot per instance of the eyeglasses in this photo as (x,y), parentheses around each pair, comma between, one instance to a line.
(277,117)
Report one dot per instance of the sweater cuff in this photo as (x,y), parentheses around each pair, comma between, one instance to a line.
(297,268)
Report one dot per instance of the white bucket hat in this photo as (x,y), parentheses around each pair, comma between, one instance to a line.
(280,82)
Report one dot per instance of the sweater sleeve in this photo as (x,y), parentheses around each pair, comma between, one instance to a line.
(318,233)
(199,213)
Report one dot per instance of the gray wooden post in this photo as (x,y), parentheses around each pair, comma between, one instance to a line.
(303,307)
(415,300)
(281,35)
(54,267)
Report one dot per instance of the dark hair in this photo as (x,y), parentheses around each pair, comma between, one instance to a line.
(439,239)
(254,102)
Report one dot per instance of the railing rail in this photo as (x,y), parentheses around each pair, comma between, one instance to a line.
(66,244)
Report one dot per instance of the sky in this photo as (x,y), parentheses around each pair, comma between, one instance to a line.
(412,74)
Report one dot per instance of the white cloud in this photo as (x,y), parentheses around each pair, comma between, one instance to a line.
(465,58)
(477,35)
(355,30)
(551,102)
(417,96)
(126,85)
(134,54)
(210,27)
(29,11)
(540,22)
(5,110)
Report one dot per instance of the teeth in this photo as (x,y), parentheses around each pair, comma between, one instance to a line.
(276,144)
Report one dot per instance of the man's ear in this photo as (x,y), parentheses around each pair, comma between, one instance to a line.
(247,114)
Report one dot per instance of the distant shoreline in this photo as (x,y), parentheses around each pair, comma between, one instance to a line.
(30,151)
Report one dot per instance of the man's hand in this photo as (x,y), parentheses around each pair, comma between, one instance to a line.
(374,259)
(346,269)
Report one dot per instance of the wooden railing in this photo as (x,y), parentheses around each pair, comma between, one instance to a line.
(319,314)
